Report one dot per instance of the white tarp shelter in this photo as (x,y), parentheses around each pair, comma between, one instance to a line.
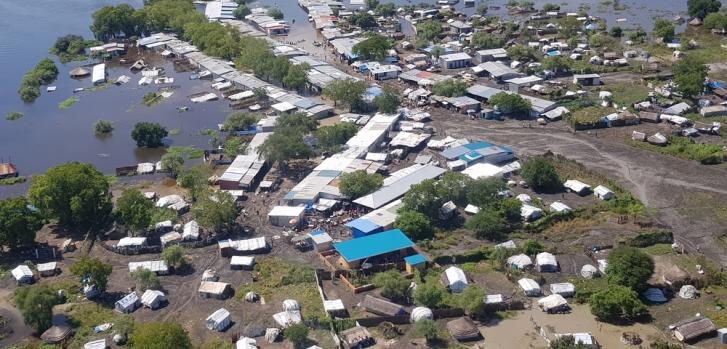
(529,287)
(589,272)
(559,207)
(421,313)
(22,274)
(242,262)
(153,299)
(219,320)
(603,193)
(190,231)
(577,186)
(546,262)
(286,216)
(456,279)
(565,289)
(127,304)
(553,303)
(530,212)
(520,261)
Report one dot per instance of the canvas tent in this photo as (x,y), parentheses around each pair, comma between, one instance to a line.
(520,261)
(577,186)
(153,299)
(242,262)
(546,262)
(421,313)
(246,343)
(565,289)
(57,334)
(286,216)
(654,295)
(22,274)
(97,344)
(356,337)
(463,329)
(688,292)
(214,289)
(553,303)
(219,320)
(529,287)
(47,269)
(589,272)
(127,304)
(603,193)
(381,307)
(190,231)
(287,318)
(455,279)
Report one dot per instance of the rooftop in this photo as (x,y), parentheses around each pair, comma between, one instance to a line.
(373,245)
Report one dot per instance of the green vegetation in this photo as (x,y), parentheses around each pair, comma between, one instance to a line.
(195,180)
(216,211)
(103,127)
(388,101)
(84,316)
(450,88)
(523,53)
(511,103)
(148,134)
(13,180)
(151,98)
(716,20)
(429,329)
(45,72)
(532,247)
(415,225)
(359,183)
(589,117)
(172,163)
(68,103)
(617,304)
(686,148)
(392,284)
(689,74)
(347,92)
(13,115)
(297,334)
(429,30)
(567,342)
(71,48)
(18,223)
(541,175)
(75,194)
(134,210)
(297,76)
(158,335)
(375,47)
(487,224)
(701,8)
(233,147)
(175,131)
(145,279)
(364,20)
(430,295)
(630,267)
(483,40)
(36,304)
(287,143)
(241,11)
(92,271)
(174,256)
(240,121)
(664,30)
(330,138)
(275,12)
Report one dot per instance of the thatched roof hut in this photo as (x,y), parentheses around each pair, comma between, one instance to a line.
(464,329)
(693,328)
(79,72)
(56,334)
(381,307)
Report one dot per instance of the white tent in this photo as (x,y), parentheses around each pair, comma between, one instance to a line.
(546,262)
(520,261)
(559,207)
(287,318)
(218,321)
(421,313)
(589,272)
(47,269)
(494,299)
(170,238)
(131,242)
(603,193)
(456,279)
(529,287)
(246,343)
(242,262)
(509,244)
(127,304)
(529,212)
(483,170)
(553,303)
(602,265)
(169,200)
(97,344)
(471,209)
(153,299)
(291,305)
(286,216)
(577,186)
(565,289)
(688,292)
(22,274)
(524,198)
(190,231)
(334,306)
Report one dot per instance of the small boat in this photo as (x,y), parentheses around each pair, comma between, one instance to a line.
(182,109)
(76,90)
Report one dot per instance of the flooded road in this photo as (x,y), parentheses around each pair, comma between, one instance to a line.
(47,136)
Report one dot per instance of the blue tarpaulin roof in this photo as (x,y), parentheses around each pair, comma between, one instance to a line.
(317,232)
(363,225)
(373,245)
(415,259)
(478,145)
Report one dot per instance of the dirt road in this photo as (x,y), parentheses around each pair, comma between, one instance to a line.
(665,184)
(15,321)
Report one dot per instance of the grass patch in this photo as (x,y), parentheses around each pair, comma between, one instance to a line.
(659,249)
(68,103)
(685,148)
(589,116)
(13,180)
(280,280)
(175,131)
(13,115)
(627,94)
(151,98)
(188,152)
(84,316)
(161,214)
(585,288)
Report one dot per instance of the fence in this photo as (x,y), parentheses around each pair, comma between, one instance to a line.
(135,250)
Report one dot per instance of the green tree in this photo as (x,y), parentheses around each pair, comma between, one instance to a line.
(359,183)
(549,7)
(532,247)
(159,335)
(662,344)
(472,301)
(148,134)
(364,20)
(423,198)
(347,92)
(241,11)
(388,101)
(146,279)
(454,186)
(216,211)
(174,256)
(540,174)
(567,342)
(511,103)
(429,295)
(36,304)
(701,8)
(482,9)
(664,29)
(415,225)
(298,122)
(510,209)
(372,4)
(330,138)
(297,76)
(75,194)
(638,35)
(297,334)
(173,163)
(110,21)
(450,88)
(285,145)
(375,47)
(103,127)
(276,13)
(92,271)
(392,284)
(522,53)
(386,10)
(483,40)
(437,51)
(430,330)
(233,147)
(487,224)
(616,31)
(429,30)
(485,192)
(616,304)
(689,75)
(240,121)
(18,223)
(716,20)
(557,64)
(630,267)
(134,210)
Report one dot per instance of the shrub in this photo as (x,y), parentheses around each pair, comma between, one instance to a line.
(540,174)
(103,127)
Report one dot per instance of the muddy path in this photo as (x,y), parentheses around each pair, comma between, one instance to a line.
(15,321)
(671,187)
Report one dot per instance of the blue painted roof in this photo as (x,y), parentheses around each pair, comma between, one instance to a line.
(329,173)
(318,231)
(415,259)
(363,225)
(478,145)
(373,245)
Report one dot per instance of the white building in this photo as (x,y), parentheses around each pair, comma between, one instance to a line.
(455,60)
(603,193)
(286,216)
(577,186)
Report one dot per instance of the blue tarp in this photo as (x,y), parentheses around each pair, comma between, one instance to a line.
(373,245)
(415,259)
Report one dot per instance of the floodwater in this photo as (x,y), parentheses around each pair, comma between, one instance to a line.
(47,136)
(519,331)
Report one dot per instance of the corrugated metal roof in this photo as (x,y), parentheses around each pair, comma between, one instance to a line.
(373,245)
